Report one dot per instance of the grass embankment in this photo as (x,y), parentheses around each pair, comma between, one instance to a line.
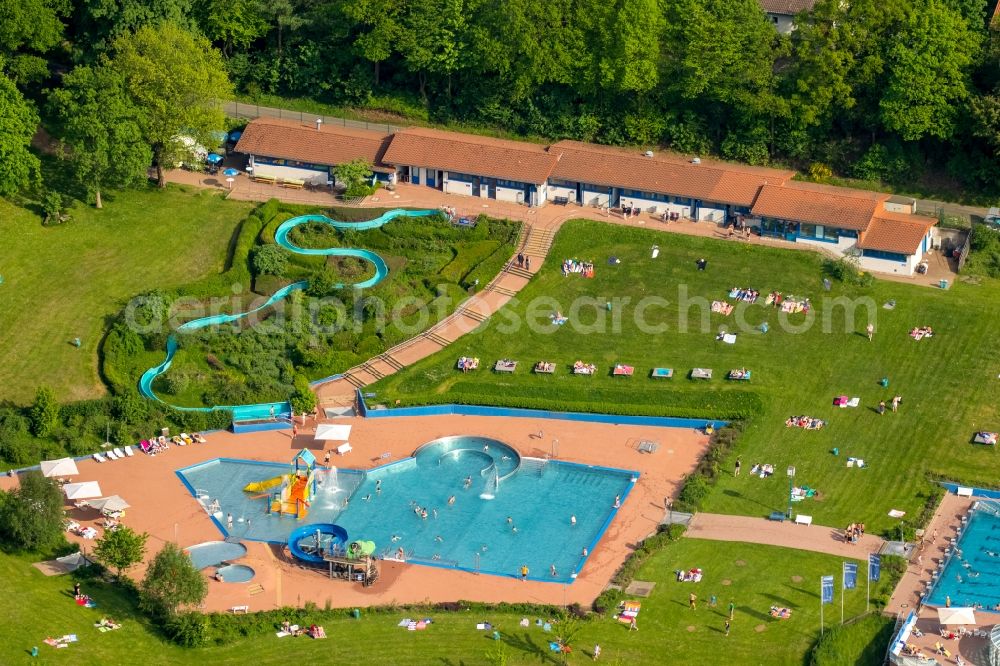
(758,577)
(948,382)
(64,282)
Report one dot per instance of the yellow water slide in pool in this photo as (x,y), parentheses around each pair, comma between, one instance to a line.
(263,486)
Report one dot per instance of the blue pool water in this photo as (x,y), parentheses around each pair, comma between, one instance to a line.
(211,553)
(235,573)
(473,533)
(972,575)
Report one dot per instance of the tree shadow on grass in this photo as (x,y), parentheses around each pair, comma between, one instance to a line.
(526,643)
(752,612)
(735,493)
(779,600)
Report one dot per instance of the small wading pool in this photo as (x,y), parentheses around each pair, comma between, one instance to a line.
(213,553)
(235,573)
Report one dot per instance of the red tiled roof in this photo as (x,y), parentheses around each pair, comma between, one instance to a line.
(329,145)
(470,154)
(716,182)
(896,232)
(830,206)
(787,7)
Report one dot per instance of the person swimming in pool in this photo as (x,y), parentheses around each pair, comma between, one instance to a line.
(395,538)
(510,521)
(439,538)
(367,497)
(451,501)
(468,482)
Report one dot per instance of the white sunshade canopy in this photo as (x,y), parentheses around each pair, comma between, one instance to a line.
(113,503)
(61,467)
(329,431)
(958,615)
(83,490)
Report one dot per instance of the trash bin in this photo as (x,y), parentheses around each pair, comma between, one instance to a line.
(356,614)
(835,451)
(943,284)
(884,382)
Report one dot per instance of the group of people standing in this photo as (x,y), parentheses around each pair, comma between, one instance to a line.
(854,532)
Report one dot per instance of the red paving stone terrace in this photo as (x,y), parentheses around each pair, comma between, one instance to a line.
(162,506)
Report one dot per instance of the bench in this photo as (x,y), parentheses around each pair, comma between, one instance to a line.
(777,516)
(560,201)
(292,184)
(239,609)
(264,179)
(344,448)
(803,520)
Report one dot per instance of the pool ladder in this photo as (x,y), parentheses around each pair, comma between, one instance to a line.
(534,465)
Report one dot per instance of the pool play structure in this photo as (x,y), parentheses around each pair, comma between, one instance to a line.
(282,409)
(460,502)
(971,572)
(295,490)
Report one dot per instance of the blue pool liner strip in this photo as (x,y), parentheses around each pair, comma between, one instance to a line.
(586,417)
(976,492)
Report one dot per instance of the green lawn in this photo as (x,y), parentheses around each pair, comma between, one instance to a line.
(949,382)
(62,282)
(760,577)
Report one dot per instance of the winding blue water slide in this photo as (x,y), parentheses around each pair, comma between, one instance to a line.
(335,532)
(265,410)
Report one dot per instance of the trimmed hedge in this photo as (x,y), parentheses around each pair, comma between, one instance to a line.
(698,484)
(611,597)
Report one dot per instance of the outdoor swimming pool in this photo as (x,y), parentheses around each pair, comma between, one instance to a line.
(212,553)
(473,533)
(972,574)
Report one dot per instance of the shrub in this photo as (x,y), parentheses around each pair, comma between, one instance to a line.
(610,598)
(188,629)
(847,270)
(303,401)
(270,260)
(171,581)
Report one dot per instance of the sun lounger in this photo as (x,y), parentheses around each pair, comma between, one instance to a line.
(662,373)
(466,363)
(119,453)
(623,370)
(739,374)
(701,373)
(781,613)
(581,368)
(729,338)
(505,365)
(646,446)
(242,609)
(198,437)
(111,455)
(99,458)
(344,448)
(984,437)
(128,451)
(545,368)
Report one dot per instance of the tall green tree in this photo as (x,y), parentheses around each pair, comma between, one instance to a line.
(171,581)
(31,515)
(29,29)
(99,23)
(178,84)
(235,24)
(929,66)
(99,127)
(19,168)
(44,413)
(434,39)
(121,548)
(630,61)
(377,28)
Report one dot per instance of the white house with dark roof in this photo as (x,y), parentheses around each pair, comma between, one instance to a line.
(782,13)
(293,151)
(472,165)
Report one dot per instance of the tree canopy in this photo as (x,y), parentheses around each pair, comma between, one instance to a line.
(121,548)
(19,168)
(171,581)
(31,515)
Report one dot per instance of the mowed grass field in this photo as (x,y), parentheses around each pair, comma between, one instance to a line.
(753,577)
(949,383)
(63,282)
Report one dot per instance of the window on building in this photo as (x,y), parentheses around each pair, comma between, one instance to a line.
(888,256)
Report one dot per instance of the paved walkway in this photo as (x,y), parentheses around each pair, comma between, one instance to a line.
(815,538)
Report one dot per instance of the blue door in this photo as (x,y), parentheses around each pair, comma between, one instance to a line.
(415,175)
(430,178)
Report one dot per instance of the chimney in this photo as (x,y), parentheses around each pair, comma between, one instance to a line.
(319,121)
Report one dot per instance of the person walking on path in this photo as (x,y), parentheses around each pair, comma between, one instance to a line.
(527,263)
(693,601)
(732,609)
(728,622)
(738,465)
(524,572)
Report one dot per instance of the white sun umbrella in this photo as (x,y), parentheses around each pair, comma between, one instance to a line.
(113,503)
(957,615)
(83,490)
(333,431)
(61,467)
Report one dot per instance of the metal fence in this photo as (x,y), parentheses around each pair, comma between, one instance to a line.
(251,111)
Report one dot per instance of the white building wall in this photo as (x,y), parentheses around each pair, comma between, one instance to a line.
(591,198)
(655,207)
(457,186)
(509,194)
(840,248)
(895,267)
(562,191)
(707,213)
(782,23)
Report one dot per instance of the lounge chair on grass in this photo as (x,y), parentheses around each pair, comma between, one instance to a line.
(662,373)
(983,437)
